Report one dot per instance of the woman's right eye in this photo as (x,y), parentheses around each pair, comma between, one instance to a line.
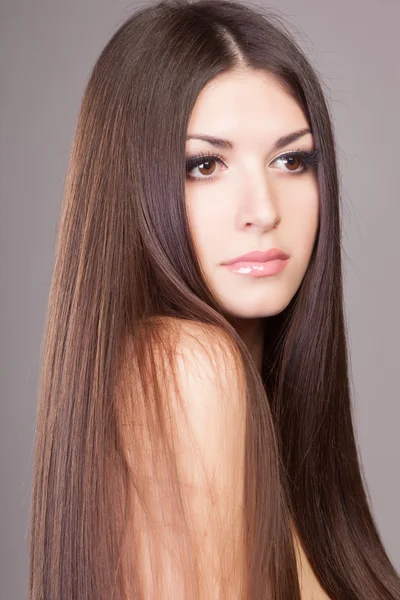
(204,162)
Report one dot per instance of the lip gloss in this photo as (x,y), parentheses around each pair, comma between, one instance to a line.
(258,269)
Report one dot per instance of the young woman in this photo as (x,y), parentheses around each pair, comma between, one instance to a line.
(194,431)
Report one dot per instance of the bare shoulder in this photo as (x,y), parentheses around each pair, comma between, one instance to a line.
(207,369)
(210,442)
(200,377)
(191,362)
(203,400)
(203,350)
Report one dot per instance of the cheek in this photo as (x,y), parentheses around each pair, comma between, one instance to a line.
(304,219)
(210,223)
(205,229)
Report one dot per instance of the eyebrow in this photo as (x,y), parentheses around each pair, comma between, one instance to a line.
(226,144)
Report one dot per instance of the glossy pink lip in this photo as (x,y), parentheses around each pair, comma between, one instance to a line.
(259,256)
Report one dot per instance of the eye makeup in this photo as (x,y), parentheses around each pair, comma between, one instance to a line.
(308,160)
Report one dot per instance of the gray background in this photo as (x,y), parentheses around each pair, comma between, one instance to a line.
(47,49)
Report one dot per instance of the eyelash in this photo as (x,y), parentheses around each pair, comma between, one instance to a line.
(310,159)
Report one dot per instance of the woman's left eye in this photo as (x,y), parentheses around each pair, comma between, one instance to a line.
(305,159)
(293,161)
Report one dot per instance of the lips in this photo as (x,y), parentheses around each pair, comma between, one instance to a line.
(259,256)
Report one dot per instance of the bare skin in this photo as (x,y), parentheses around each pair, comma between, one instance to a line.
(251,199)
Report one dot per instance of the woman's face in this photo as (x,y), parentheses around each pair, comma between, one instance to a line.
(254,199)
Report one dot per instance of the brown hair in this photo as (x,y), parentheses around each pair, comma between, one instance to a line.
(125,262)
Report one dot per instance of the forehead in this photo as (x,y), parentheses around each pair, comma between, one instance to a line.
(245,105)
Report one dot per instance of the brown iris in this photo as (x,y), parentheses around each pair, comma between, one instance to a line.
(292,161)
(207,161)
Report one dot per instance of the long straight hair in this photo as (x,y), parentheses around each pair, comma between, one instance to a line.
(124,258)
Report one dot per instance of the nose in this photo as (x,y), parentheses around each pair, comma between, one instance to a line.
(259,209)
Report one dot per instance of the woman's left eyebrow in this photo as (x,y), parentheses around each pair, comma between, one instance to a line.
(228,145)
